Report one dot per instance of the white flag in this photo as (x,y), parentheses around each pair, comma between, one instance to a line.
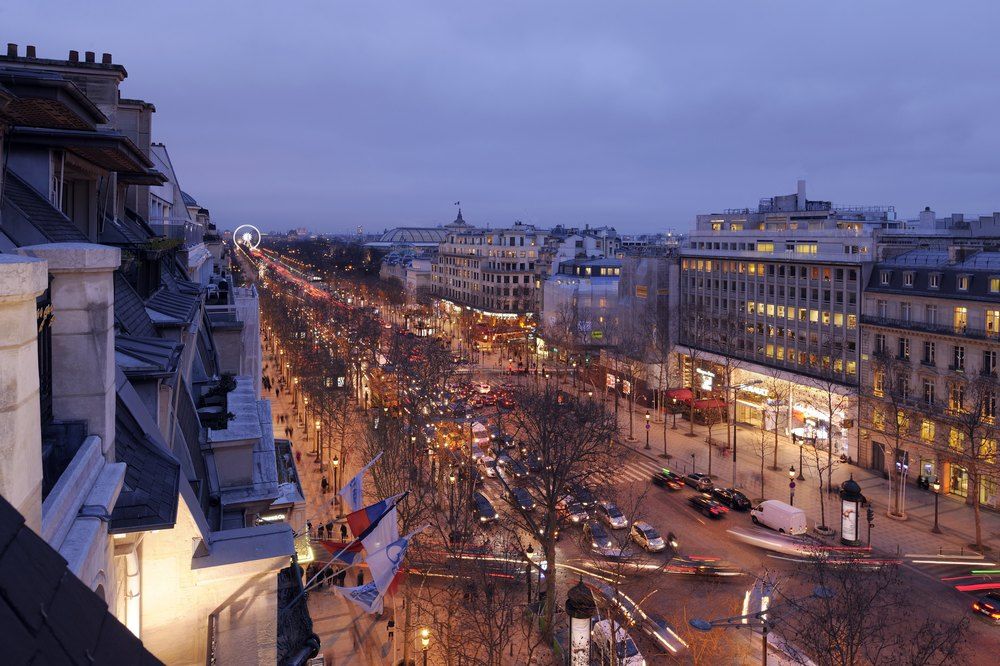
(385,533)
(384,564)
(367,597)
(353,492)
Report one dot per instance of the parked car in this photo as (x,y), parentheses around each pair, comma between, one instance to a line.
(520,499)
(667,479)
(780,516)
(988,606)
(511,467)
(612,515)
(613,645)
(707,506)
(483,508)
(582,494)
(732,498)
(700,482)
(647,537)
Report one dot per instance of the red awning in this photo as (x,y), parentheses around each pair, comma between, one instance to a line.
(681,394)
(709,403)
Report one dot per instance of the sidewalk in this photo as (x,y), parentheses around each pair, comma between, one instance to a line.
(891,536)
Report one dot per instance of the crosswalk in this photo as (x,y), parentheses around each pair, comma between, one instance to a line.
(635,470)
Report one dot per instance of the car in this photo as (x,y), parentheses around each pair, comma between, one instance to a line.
(505,403)
(620,650)
(651,624)
(612,515)
(571,510)
(667,479)
(520,499)
(483,508)
(646,536)
(481,388)
(600,540)
(582,494)
(476,452)
(511,468)
(988,606)
(732,498)
(489,464)
(700,482)
(707,506)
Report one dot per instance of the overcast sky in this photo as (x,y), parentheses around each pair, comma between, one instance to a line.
(337,113)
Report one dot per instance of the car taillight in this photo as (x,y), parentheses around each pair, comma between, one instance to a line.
(976,606)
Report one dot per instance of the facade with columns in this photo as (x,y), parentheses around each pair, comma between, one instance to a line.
(127,441)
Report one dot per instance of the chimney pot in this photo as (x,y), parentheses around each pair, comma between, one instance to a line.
(74,56)
(30,52)
(106,58)
(11,50)
(89,55)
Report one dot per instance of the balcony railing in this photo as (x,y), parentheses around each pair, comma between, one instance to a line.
(960,331)
(181,229)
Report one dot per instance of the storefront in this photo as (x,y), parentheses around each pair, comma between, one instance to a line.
(752,407)
(807,416)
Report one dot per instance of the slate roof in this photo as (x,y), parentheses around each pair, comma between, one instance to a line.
(148,499)
(188,199)
(169,307)
(176,284)
(130,312)
(36,209)
(47,614)
(144,357)
(130,230)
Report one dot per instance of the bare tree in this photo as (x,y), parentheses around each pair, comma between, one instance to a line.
(865,615)
(694,325)
(778,393)
(886,402)
(830,400)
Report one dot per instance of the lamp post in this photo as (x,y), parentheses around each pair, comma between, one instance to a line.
(647,430)
(692,463)
(527,569)
(791,485)
(425,642)
(319,445)
(937,493)
(305,411)
(336,464)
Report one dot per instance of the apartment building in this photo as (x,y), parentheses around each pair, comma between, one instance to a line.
(131,444)
(777,290)
(581,301)
(497,272)
(930,345)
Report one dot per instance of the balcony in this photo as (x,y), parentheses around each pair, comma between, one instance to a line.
(958,331)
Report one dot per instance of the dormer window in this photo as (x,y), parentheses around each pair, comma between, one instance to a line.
(995,285)
(884,277)
(963,282)
(934,281)
(908,279)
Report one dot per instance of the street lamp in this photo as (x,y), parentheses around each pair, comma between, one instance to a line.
(336,464)
(937,493)
(791,485)
(527,569)
(647,430)
(425,642)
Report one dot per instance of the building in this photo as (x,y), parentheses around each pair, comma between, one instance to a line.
(930,344)
(581,302)
(494,271)
(777,290)
(133,445)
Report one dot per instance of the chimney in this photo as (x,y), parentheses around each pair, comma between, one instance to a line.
(800,197)
(106,58)
(89,55)
(30,51)
(74,56)
(11,50)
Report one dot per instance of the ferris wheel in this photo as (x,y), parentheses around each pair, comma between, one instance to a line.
(248,235)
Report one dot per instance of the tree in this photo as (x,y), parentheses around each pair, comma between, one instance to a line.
(695,325)
(830,399)
(573,440)
(778,392)
(972,441)
(887,403)
(866,614)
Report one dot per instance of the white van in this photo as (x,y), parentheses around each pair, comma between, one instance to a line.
(779,516)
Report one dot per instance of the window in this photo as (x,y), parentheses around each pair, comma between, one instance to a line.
(934,281)
(956,439)
(956,397)
(878,383)
(989,361)
(908,279)
(905,311)
(765,246)
(928,352)
(904,349)
(992,322)
(885,277)
(961,319)
(995,285)
(958,358)
(928,392)
(879,342)
(963,282)
(881,307)
(852,321)
(930,314)
(927,430)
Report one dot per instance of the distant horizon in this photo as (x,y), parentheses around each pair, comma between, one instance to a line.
(331,115)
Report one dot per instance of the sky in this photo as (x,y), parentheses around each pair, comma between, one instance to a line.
(638,114)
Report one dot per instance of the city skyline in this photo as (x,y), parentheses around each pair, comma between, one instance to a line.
(561,114)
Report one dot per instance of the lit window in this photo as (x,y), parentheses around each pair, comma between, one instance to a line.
(963,282)
(927,430)
(995,285)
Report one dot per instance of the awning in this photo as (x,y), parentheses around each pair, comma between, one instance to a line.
(709,403)
(681,394)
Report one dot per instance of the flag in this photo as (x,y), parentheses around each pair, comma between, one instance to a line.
(367,597)
(366,521)
(384,533)
(349,552)
(352,492)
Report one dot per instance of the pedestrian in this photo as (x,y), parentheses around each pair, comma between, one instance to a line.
(343,531)
(291,431)
(324,483)
(390,627)
(329,530)
(361,577)
(298,457)
(309,527)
